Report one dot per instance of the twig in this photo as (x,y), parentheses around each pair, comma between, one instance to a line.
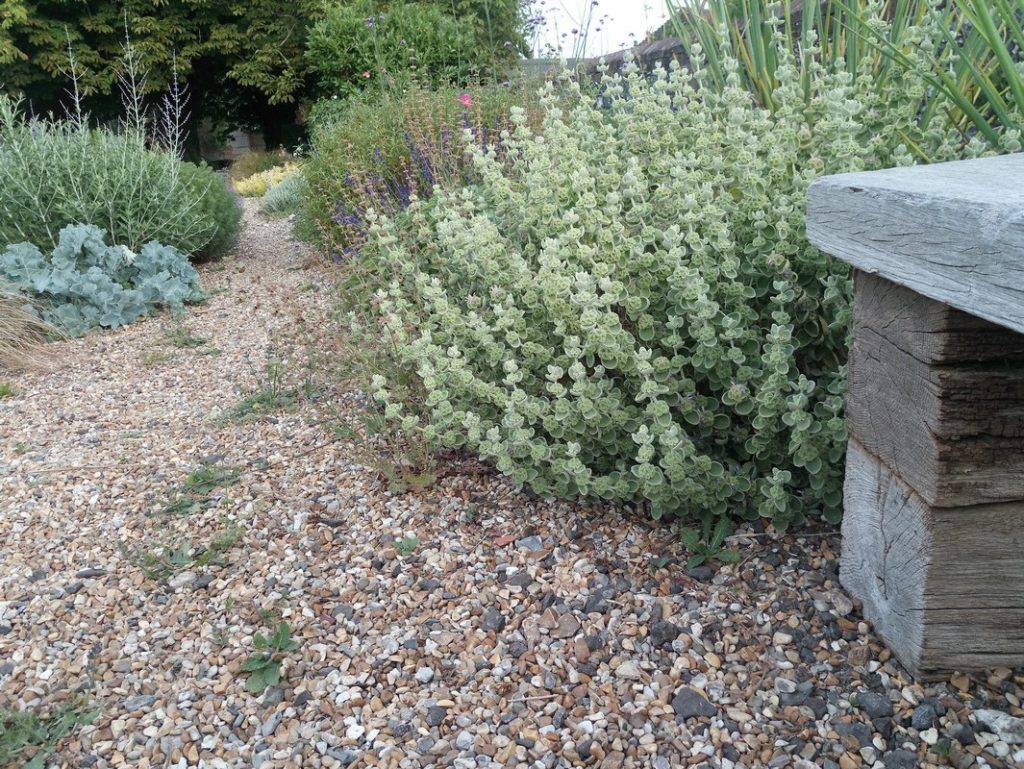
(536,697)
(47,470)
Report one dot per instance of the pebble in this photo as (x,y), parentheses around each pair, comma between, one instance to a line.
(425,675)
(688,703)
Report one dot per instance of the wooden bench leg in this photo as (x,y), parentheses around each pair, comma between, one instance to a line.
(933,533)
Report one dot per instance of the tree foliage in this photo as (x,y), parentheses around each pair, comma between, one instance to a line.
(237,56)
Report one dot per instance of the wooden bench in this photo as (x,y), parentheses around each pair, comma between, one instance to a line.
(933,530)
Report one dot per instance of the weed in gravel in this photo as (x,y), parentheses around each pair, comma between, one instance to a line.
(166,559)
(708,547)
(264,667)
(195,493)
(177,335)
(406,546)
(273,395)
(19,449)
(156,358)
(6,391)
(26,738)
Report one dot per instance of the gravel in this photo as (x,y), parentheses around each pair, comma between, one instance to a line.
(519,632)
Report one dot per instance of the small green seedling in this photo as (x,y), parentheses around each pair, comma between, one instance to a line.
(709,546)
(166,559)
(272,396)
(264,668)
(177,335)
(26,739)
(407,545)
(6,391)
(195,492)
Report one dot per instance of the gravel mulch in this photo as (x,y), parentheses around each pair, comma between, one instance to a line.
(167,500)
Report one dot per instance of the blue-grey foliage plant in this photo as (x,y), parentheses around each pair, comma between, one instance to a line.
(86,283)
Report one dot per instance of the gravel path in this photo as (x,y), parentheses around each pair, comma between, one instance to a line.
(156,520)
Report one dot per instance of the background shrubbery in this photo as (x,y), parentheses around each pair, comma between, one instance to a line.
(378,149)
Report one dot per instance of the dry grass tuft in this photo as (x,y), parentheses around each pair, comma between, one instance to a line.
(22,334)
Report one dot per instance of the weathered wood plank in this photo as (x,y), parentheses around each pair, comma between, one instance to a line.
(930,331)
(954,433)
(953,232)
(943,587)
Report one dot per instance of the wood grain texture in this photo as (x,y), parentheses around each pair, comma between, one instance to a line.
(954,433)
(930,331)
(943,586)
(953,232)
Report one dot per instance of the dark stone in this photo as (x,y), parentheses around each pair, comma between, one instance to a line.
(518,648)
(344,756)
(302,698)
(401,729)
(525,742)
(38,574)
(595,642)
(531,544)
(664,633)
(923,717)
(584,749)
(90,573)
(557,720)
(202,581)
(817,706)
(494,620)
(962,734)
(6,669)
(875,705)
(520,579)
(139,702)
(596,604)
(688,703)
(343,610)
(862,732)
(411,643)
(74,588)
(792,699)
(900,759)
(729,751)
(435,715)
(700,573)
(429,584)
(273,697)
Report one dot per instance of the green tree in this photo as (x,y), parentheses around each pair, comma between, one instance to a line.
(356,42)
(242,59)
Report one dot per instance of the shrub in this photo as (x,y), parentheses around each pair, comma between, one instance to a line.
(87,283)
(284,196)
(256,186)
(358,45)
(375,151)
(627,308)
(214,205)
(252,163)
(55,173)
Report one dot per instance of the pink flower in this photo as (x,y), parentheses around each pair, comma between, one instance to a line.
(466,99)
(366,73)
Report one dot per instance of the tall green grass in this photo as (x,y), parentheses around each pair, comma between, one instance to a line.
(967,53)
